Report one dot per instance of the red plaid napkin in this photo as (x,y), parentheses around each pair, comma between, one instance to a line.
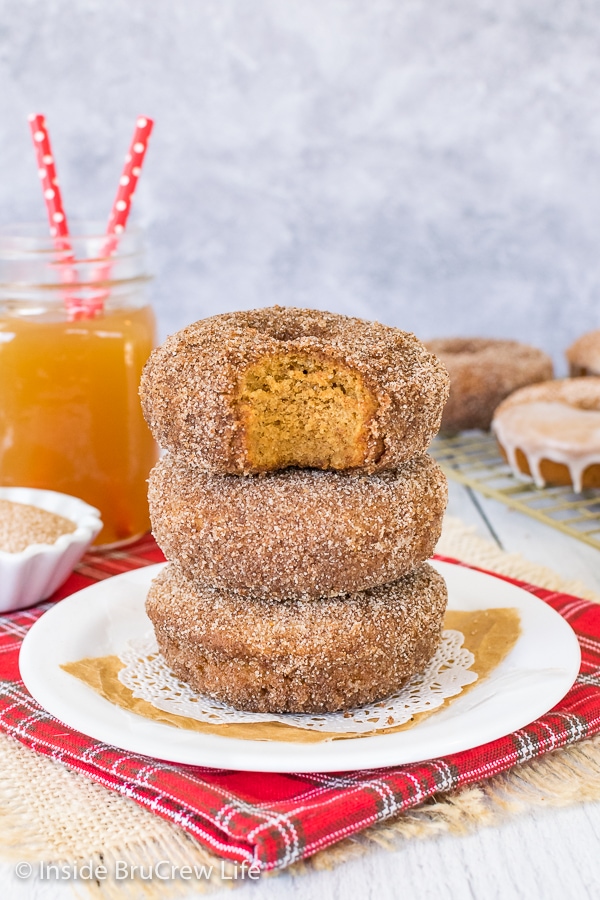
(274,820)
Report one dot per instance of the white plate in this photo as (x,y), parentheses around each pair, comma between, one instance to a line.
(100,619)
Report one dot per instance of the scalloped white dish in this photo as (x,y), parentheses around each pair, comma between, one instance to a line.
(33,574)
(100,620)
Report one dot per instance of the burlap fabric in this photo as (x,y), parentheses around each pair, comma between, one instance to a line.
(53,814)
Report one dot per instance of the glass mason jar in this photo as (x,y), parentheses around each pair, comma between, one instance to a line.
(75,332)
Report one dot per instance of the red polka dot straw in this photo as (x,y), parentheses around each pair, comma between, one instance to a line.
(57,218)
(49,180)
(59,228)
(122,203)
(129,176)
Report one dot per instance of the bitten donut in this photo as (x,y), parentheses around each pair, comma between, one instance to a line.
(551,431)
(583,355)
(302,656)
(299,532)
(482,373)
(263,390)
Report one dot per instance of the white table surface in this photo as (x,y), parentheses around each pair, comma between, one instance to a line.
(544,855)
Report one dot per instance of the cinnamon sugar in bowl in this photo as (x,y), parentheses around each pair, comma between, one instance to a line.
(43,535)
(22,525)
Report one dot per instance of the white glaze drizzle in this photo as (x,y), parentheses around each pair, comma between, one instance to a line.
(553,431)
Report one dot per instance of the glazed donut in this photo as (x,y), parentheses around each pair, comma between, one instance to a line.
(302,656)
(258,391)
(551,432)
(300,532)
(482,373)
(583,355)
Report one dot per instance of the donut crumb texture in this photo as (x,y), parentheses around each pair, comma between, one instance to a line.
(299,410)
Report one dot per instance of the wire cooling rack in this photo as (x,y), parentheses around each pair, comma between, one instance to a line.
(473,459)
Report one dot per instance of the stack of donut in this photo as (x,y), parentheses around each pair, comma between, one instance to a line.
(296,506)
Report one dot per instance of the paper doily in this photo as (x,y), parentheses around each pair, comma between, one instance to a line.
(148,677)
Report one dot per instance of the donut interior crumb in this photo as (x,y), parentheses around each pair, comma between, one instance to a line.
(301,410)
(22,525)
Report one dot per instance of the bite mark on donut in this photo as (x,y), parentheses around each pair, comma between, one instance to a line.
(304,409)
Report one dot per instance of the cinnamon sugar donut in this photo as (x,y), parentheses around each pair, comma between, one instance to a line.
(262,390)
(302,656)
(583,355)
(551,431)
(300,532)
(482,373)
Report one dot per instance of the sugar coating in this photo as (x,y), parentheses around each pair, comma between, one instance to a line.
(584,354)
(299,532)
(190,384)
(482,373)
(22,525)
(298,655)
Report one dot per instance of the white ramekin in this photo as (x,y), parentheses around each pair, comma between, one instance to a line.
(36,572)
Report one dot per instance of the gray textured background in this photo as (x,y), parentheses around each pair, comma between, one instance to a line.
(431,163)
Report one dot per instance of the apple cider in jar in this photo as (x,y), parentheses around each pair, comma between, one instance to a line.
(74,336)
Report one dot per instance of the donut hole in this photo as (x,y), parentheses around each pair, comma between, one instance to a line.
(302,410)
(280,324)
(579,371)
(461,346)
(587,404)
(286,332)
